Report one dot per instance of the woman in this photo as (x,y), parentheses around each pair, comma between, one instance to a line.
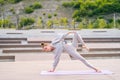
(59,45)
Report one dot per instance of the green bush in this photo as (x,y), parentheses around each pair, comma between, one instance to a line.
(12,10)
(76,14)
(14,1)
(77,19)
(26,21)
(110,20)
(49,16)
(29,10)
(36,5)
(67,4)
(76,5)
(55,14)
(49,23)
(88,8)
(4,23)
(2,2)
(118,21)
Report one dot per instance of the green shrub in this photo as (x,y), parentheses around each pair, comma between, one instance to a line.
(67,4)
(32,7)
(12,10)
(36,5)
(55,14)
(26,21)
(78,19)
(49,23)
(118,21)
(110,20)
(14,1)
(44,14)
(76,5)
(29,10)
(2,2)
(49,16)
(4,23)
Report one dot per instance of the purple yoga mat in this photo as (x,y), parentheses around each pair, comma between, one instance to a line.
(84,72)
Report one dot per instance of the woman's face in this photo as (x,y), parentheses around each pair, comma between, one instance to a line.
(47,48)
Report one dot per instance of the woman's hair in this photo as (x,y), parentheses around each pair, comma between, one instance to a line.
(43,44)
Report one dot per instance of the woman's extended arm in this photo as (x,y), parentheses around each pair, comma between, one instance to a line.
(61,37)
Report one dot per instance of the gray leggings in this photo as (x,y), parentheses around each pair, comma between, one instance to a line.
(71,50)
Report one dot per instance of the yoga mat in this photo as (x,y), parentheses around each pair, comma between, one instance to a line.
(85,72)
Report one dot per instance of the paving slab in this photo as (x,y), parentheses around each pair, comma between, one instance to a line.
(30,70)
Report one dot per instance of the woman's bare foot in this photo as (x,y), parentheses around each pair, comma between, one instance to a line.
(97,70)
(52,70)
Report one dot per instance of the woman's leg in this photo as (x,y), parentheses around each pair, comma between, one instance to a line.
(71,50)
(75,40)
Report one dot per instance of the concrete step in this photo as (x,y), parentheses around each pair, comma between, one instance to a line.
(87,40)
(13,38)
(19,45)
(39,49)
(105,49)
(98,40)
(64,56)
(26,49)
(101,52)
(10,41)
(21,50)
(23,45)
(99,56)
(39,41)
(7,58)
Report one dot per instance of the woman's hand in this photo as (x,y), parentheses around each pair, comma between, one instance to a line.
(85,47)
(71,32)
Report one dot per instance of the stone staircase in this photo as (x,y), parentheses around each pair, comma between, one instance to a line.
(105,44)
(10,46)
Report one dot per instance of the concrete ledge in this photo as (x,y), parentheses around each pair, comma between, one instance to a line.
(14,33)
(13,38)
(27,50)
(102,55)
(39,41)
(19,45)
(9,41)
(100,31)
(105,49)
(47,31)
(7,58)
(22,51)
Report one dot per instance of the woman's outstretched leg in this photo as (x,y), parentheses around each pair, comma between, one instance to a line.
(71,49)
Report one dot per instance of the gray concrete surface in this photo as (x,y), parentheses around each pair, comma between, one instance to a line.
(30,70)
(38,32)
